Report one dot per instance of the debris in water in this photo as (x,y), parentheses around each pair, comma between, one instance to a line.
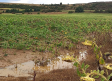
(28,68)
(68,58)
(87,42)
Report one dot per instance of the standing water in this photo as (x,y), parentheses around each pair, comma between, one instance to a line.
(27,68)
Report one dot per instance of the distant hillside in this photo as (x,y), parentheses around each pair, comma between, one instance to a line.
(98,5)
(55,7)
(33,7)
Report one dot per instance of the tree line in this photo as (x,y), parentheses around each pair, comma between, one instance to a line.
(99,7)
(27,8)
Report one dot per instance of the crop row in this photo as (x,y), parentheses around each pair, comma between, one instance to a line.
(45,32)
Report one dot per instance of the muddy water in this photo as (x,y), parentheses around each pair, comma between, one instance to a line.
(57,63)
(22,70)
(27,68)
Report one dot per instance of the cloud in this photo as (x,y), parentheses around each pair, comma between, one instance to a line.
(20,1)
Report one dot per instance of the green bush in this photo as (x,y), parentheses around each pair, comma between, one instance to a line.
(79,9)
(70,11)
(96,11)
(22,12)
(101,11)
(108,11)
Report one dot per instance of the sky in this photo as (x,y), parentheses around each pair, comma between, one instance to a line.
(51,1)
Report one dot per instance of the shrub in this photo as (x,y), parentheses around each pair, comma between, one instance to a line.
(60,3)
(70,11)
(45,11)
(79,9)
(101,11)
(96,11)
(108,11)
(22,12)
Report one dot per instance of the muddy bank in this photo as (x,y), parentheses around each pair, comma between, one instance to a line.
(20,56)
(13,56)
(40,66)
(66,70)
(60,75)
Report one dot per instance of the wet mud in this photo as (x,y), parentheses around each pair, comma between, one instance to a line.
(56,69)
(27,68)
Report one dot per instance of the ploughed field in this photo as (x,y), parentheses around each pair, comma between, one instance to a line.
(30,37)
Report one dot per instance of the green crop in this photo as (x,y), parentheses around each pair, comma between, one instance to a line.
(42,31)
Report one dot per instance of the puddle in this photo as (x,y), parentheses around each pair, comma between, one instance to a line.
(54,64)
(22,70)
(28,68)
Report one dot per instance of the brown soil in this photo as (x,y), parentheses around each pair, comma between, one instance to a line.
(13,56)
(59,75)
(69,74)
(13,79)
(20,56)
(16,56)
(55,75)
